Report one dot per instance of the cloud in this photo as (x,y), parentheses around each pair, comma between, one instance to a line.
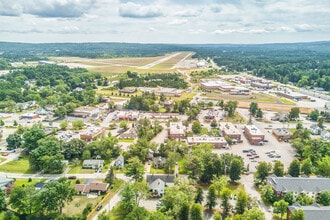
(190,12)
(152,29)
(50,8)
(178,22)
(133,10)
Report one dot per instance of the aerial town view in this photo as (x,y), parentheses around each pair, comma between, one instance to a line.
(164,110)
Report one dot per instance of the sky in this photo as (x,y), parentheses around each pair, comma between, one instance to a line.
(165,21)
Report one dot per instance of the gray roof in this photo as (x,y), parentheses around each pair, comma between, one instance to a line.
(168,178)
(299,184)
(312,212)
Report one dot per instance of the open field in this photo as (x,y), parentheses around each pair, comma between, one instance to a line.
(17,166)
(166,63)
(25,182)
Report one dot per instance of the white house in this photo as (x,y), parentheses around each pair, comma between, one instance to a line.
(157,183)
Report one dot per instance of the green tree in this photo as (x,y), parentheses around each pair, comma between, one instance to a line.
(278,169)
(214,124)
(304,200)
(294,113)
(199,196)
(253,108)
(128,201)
(235,169)
(77,124)
(268,194)
(294,168)
(281,207)
(110,178)
(2,200)
(324,166)
(123,124)
(289,198)
(184,211)
(242,202)
(225,203)
(56,195)
(314,115)
(60,111)
(32,136)
(196,212)
(220,182)
(299,126)
(135,169)
(298,215)
(307,167)
(262,171)
(24,199)
(230,107)
(14,141)
(64,125)
(211,198)
(74,148)
(324,198)
(259,114)
(196,127)
(254,214)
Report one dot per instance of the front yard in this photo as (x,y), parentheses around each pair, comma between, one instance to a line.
(17,166)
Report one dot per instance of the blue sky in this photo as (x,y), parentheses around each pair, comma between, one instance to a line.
(165,21)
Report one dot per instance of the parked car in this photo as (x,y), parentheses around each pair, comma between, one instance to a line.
(246,151)
(99,207)
(72,177)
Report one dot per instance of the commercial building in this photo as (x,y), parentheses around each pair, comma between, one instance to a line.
(92,133)
(254,135)
(217,142)
(176,131)
(282,134)
(292,95)
(230,130)
(85,111)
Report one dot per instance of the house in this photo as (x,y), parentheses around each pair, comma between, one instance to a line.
(217,142)
(168,103)
(130,134)
(92,133)
(159,162)
(171,92)
(231,131)
(157,183)
(176,131)
(163,115)
(325,135)
(86,111)
(94,164)
(29,116)
(254,135)
(312,212)
(120,162)
(309,186)
(42,111)
(315,129)
(282,134)
(95,187)
(4,182)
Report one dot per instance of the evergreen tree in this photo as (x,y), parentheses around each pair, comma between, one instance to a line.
(294,168)
(196,212)
(110,178)
(211,198)
(184,211)
(199,196)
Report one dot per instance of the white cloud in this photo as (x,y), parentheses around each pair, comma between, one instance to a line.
(189,12)
(134,10)
(178,22)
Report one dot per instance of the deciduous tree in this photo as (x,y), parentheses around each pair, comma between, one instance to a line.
(281,207)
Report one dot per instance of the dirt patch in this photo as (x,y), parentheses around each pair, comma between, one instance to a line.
(275,107)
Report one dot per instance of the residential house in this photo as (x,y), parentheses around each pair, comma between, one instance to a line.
(29,116)
(231,131)
(217,142)
(157,183)
(176,131)
(168,103)
(312,212)
(94,164)
(4,182)
(325,135)
(315,129)
(95,187)
(254,135)
(159,162)
(130,133)
(309,186)
(282,134)
(120,162)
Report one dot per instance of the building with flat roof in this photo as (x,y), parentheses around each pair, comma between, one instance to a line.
(282,134)
(171,92)
(85,111)
(254,135)
(93,164)
(217,142)
(92,133)
(230,130)
(176,131)
(292,95)
(312,212)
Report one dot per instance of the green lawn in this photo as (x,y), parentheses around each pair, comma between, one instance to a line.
(126,140)
(17,166)
(25,182)
(156,171)
(80,170)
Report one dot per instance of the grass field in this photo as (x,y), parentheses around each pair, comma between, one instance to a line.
(25,182)
(17,166)
(156,171)
(79,203)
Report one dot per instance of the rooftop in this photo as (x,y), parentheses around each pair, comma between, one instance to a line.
(312,212)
